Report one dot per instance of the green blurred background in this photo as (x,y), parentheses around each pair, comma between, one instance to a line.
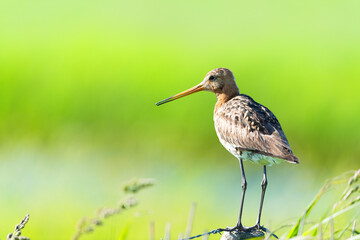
(78,83)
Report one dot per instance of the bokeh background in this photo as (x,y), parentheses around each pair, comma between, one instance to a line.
(78,83)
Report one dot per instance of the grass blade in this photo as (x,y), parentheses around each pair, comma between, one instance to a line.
(190,220)
(331,228)
(125,231)
(333,216)
(151,230)
(320,232)
(301,226)
(295,230)
(353,229)
(167,231)
(205,237)
(342,232)
(180,236)
(357,237)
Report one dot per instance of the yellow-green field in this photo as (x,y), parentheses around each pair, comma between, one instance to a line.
(78,83)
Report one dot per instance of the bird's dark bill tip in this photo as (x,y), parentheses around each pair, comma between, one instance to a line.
(164,101)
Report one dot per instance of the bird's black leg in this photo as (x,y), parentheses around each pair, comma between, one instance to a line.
(243,186)
(239,226)
(263,189)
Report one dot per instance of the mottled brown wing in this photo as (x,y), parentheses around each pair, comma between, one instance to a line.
(250,126)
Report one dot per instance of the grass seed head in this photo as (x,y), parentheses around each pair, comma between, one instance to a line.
(354,178)
(137,184)
(16,235)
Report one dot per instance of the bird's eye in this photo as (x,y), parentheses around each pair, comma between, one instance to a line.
(211,78)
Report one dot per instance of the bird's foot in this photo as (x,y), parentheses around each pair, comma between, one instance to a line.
(231,229)
(239,228)
(257,229)
(241,232)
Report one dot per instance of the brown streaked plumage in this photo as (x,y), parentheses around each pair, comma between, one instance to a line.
(247,129)
(249,126)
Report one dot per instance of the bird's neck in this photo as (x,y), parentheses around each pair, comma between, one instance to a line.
(226,95)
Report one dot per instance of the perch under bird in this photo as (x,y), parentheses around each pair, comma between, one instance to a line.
(247,129)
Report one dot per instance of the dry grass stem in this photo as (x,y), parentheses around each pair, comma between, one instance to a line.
(320,232)
(205,237)
(190,222)
(167,231)
(181,236)
(353,229)
(152,230)
(331,229)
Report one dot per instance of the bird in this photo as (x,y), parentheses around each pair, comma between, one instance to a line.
(247,129)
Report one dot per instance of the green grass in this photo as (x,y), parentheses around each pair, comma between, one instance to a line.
(334,223)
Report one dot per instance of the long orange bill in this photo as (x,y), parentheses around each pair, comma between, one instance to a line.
(192,90)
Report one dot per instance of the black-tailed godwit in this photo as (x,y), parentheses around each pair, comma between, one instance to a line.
(247,129)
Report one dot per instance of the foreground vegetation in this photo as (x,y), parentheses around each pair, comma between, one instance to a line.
(339,221)
(330,226)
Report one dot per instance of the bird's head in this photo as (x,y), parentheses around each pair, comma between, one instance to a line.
(219,81)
